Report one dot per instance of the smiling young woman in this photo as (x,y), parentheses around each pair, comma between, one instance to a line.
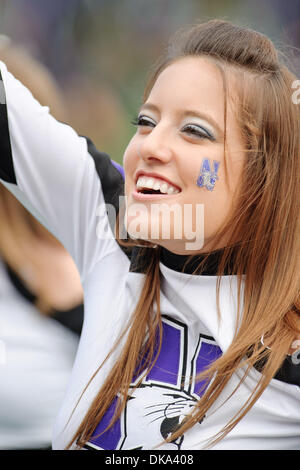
(180,349)
(179,125)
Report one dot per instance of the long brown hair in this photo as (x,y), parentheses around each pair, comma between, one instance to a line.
(263,229)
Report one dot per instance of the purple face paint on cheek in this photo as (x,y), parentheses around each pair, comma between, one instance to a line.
(208,174)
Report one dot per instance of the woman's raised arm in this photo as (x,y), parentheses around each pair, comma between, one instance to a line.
(58,175)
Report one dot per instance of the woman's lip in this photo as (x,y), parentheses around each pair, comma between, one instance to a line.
(155,175)
(146,197)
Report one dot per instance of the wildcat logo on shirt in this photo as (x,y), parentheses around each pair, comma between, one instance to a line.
(165,397)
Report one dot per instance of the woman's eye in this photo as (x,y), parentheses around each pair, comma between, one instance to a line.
(143,121)
(197,131)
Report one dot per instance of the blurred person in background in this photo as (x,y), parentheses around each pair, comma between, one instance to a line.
(41,298)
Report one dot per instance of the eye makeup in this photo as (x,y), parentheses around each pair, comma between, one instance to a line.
(192,128)
(197,131)
(143,120)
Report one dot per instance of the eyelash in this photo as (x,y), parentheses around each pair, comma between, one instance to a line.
(141,121)
(191,128)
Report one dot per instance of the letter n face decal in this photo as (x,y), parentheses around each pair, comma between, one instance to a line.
(165,396)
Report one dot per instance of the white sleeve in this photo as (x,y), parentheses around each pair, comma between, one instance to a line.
(56,174)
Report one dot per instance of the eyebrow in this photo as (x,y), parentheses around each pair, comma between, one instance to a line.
(189,112)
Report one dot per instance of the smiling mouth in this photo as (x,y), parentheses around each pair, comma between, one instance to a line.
(151,185)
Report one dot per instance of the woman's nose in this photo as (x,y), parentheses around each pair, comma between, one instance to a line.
(156,147)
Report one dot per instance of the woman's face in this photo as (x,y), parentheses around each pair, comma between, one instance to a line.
(175,184)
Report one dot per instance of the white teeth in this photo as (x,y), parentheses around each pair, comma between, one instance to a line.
(140,183)
(156,184)
(164,188)
(149,183)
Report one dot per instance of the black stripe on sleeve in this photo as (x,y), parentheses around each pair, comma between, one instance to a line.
(111,176)
(7,172)
(112,180)
(289,371)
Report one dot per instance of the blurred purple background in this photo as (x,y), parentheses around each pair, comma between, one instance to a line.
(99,51)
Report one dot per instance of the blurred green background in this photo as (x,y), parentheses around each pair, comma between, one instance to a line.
(100,51)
